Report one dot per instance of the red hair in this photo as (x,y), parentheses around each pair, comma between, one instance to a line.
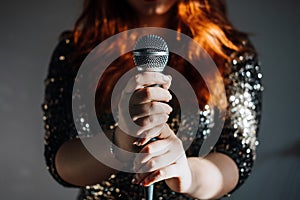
(203,20)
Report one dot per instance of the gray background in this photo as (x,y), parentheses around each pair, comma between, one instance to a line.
(29,31)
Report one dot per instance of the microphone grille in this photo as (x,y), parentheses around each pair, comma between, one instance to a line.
(150,53)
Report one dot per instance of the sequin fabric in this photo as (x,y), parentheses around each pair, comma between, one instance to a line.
(238,139)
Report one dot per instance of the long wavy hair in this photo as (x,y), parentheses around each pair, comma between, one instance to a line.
(205,21)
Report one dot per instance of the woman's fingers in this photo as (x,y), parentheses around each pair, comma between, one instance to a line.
(161,131)
(151,121)
(151,108)
(164,173)
(154,151)
(166,132)
(153,78)
(149,134)
(131,86)
(145,105)
(143,101)
(149,94)
(158,154)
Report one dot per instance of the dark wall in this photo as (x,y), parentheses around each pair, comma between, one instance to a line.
(29,31)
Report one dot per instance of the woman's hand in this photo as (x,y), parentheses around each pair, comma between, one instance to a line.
(163,159)
(142,109)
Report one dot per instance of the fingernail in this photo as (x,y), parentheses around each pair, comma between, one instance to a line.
(138,142)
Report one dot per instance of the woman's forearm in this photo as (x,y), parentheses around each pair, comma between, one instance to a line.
(77,166)
(213,176)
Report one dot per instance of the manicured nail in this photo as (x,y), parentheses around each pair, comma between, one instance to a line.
(138,142)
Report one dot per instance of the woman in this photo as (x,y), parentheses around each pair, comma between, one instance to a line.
(229,163)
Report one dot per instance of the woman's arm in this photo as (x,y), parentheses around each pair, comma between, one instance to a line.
(67,159)
(202,178)
(212,176)
(233,155)
(77,166)
(231,160)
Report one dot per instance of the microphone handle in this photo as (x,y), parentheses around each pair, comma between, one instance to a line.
(149,192)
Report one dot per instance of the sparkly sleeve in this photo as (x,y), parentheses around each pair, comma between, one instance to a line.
(58,120)
(244,93)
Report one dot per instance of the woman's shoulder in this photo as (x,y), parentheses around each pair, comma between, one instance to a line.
(67,34)
(245,48)
(245,57)
(61,59)
(65,44)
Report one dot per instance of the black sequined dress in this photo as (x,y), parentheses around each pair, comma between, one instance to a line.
(238,139)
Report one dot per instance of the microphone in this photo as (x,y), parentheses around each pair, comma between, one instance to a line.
(150,54)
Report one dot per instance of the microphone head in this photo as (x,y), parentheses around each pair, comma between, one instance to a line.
(150,53)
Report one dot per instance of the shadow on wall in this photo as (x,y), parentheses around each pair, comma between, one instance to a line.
(292,151)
